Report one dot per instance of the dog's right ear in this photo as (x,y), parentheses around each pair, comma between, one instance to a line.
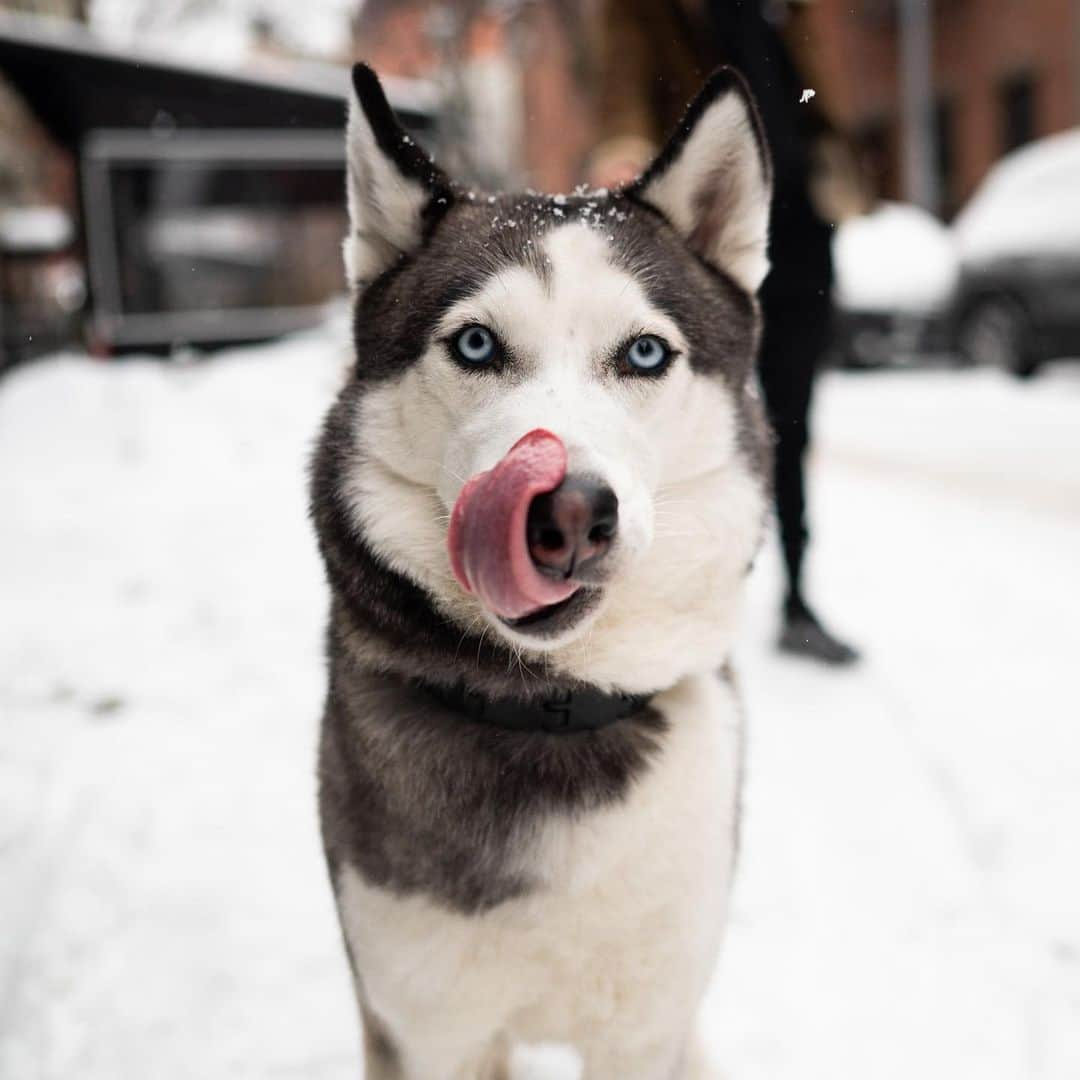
(713,180)
(394,188)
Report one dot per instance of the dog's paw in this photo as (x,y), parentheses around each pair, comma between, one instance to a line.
(545,1061)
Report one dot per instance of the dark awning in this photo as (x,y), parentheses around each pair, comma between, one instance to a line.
(74,84)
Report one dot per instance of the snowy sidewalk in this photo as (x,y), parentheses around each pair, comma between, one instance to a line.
(909,896)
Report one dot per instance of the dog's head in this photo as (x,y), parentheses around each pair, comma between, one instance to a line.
(552,426)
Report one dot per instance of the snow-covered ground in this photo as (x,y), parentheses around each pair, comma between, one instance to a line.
(909,897)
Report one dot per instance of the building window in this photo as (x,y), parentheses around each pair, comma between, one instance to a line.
(1017,96)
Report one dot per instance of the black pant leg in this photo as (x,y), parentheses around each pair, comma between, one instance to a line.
(795,337)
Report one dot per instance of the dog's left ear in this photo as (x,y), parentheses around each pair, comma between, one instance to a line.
(713,180)
(394,188)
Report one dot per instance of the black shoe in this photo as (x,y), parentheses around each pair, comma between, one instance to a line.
(803,635)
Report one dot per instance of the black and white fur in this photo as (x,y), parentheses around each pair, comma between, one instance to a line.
(508,895)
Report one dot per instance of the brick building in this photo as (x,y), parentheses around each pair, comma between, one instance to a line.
(516,110)
(1005,72)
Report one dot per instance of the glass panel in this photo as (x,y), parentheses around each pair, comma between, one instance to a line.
(210,236)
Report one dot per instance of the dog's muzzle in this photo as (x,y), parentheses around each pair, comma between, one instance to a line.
(524,536)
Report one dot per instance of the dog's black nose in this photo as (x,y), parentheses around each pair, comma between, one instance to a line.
(572,528)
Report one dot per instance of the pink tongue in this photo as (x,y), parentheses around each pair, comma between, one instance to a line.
(489,551)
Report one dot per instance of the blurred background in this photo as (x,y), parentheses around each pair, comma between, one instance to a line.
(173,325)
(205,136)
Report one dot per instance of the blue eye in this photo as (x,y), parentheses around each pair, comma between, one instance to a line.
(648,353)
(475,346)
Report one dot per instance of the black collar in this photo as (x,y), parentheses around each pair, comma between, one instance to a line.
(562,712)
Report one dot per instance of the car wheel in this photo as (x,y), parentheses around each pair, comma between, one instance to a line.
(996,333)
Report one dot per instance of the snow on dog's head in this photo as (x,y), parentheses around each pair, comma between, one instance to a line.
(552,426)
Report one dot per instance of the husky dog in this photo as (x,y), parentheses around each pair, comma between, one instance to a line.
(537,498)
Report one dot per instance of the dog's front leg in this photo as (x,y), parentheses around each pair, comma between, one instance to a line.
(665,1059)
(382,1056)
(382,1060)
(697,1064)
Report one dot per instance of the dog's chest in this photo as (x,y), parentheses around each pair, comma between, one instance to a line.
(622,932)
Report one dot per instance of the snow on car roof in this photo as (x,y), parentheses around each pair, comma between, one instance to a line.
(1029,204)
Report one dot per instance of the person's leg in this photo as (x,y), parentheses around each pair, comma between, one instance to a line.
(786,380)
(796,336)
(791,344)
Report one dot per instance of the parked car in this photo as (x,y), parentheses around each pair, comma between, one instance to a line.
(895,277)
(1018,241)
